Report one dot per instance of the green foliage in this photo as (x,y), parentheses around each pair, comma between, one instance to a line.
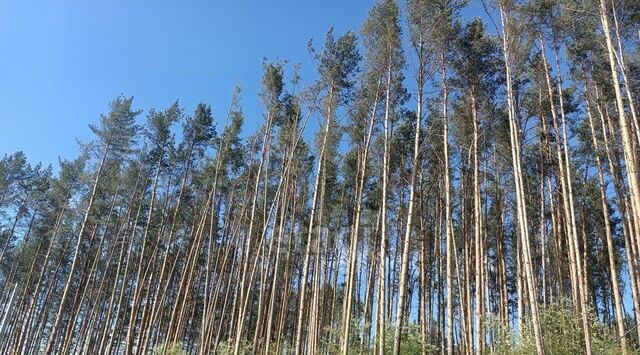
(562,333)
(169,349)
(338,61)
(410,343)
(272,82)
(118,129)
(158,129)
(432,21)
(382,39)
(227,347)
(476,60)
(199,129)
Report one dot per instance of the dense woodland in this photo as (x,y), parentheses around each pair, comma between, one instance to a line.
(444,185)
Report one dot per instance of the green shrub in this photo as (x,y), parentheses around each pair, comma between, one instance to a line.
(562,333)
(561,328)
(171,349)
(410,343)
(226,347)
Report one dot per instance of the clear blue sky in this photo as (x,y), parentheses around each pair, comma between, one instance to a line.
(61,62)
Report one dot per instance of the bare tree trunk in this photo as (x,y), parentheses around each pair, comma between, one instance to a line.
(362,166)
(382,273)
(627,224)
(567,188)
(305,267)
(447,212)
(407,236)
(137,288)
(607,226)
(478,229)
(276,272)
(627,144)
(247,245)
(619,55)
(517,172)
(54,329)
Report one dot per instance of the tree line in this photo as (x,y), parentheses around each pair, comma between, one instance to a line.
(471,187)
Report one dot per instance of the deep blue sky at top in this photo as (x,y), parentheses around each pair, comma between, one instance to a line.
(62,62)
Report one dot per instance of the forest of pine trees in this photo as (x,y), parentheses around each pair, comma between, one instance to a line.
(444,185)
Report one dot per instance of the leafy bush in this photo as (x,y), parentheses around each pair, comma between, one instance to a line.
(410,341)
(410,344)
(171,349)
(562,333)
(561,328)
(226,347)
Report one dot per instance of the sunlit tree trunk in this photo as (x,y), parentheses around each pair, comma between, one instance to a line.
(314,204)
(625,130)
(67,285)
(607,226)
(517,172)
(362,166)
(406,245)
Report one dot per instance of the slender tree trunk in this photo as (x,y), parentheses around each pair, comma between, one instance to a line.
(54,329)
(447,212)
(407,236)
(382,273)
(627,144)
(305,268)
(362,166)
(607,226)
(478,229)
(517,172)
(137,288)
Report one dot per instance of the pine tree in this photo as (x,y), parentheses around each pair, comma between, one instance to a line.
(489,206)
